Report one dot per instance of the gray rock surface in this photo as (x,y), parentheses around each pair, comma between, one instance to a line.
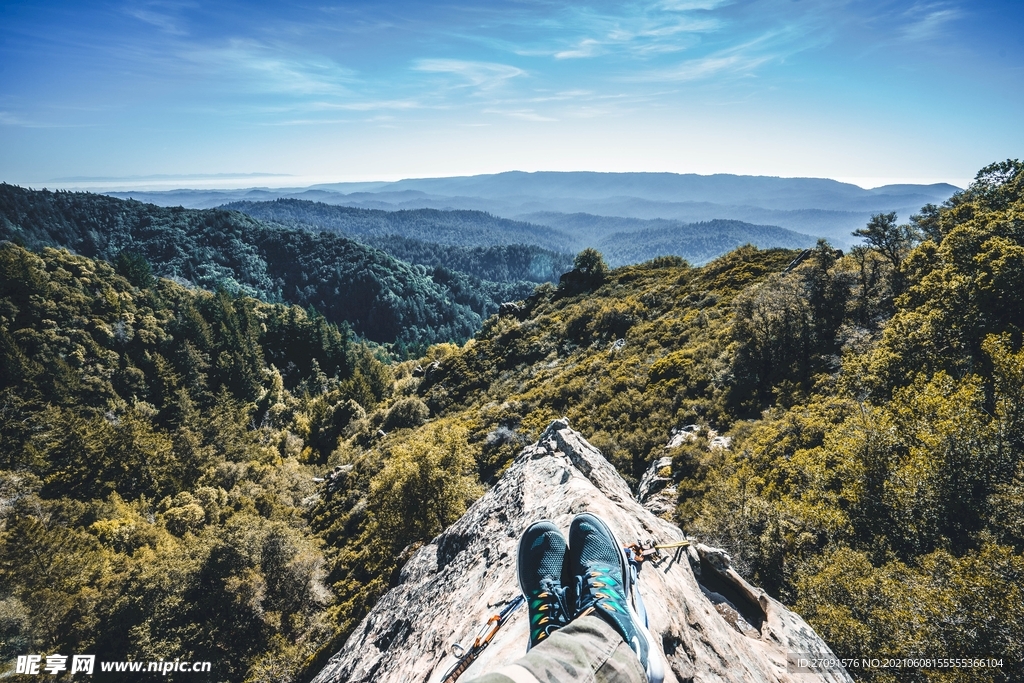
(711,624)
(656,492)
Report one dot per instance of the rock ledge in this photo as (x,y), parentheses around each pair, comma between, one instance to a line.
(712,624)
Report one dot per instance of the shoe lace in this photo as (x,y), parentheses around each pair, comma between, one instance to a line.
(593,587)
(554,607)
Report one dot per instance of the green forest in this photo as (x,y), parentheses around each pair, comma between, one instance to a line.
(382,299)
(160,441)
(472,242)
(497,263)
(458,228)
(467,240)
(698,243)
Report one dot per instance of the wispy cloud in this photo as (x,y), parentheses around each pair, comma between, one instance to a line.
(561,96)
(371,105)
(588,47)
(306,122)
(730,61)
(524,114)
(482,75)
(690,5)
(929,21)
(9,119)
(162,15)
(254,66)
(639,29)
(742,59)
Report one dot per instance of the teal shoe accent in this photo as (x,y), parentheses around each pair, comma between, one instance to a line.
(539,561)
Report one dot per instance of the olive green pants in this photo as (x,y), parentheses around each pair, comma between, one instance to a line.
(586,651)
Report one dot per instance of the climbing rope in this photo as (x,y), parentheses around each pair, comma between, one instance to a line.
(640,552)
(467,655)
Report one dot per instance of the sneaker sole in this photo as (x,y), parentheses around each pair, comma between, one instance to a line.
(655,666)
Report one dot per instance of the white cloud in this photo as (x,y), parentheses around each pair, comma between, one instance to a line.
(9,119)
(639,32)
(483,75)
(370,105)
(161,15)
(165,23)
(561,96)
(587,47)
(635,29)
(258,67)
(930,21)
(705,67)
(742,59)
(524,114)
(691,5)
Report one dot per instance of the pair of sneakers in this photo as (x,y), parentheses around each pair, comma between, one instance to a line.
(588,574)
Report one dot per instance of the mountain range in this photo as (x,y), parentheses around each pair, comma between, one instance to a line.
(813,206)
(622,240)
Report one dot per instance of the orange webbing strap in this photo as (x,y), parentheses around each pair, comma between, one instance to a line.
(643,552)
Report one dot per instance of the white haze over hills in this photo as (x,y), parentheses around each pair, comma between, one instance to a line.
(816,207)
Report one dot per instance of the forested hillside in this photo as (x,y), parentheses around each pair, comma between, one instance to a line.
(157,449)
(501,263)
(459,228)
(381,298)
(698,243)
(160,441)
(466,240)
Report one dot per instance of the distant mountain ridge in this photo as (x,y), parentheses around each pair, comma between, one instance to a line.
(722,188)
(409,234)
(698,243)
(461,228)
(813,206)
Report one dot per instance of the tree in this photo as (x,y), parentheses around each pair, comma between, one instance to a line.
(134,268)
(589,272)
(773,330)
(890,240)
(424,486)
(927,223)
(590,263)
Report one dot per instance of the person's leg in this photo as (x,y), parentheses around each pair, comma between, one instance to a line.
(588,650)
(598,637)
(604,585)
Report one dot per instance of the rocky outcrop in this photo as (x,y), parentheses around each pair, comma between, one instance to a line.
(711,624)
(690,432)
(656,491)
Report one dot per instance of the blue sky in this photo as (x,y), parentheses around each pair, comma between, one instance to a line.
(863,90)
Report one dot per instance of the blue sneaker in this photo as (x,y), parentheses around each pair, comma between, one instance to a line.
(604,585)
(539,561)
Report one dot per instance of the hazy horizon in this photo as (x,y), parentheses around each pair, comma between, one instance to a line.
(275,181)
